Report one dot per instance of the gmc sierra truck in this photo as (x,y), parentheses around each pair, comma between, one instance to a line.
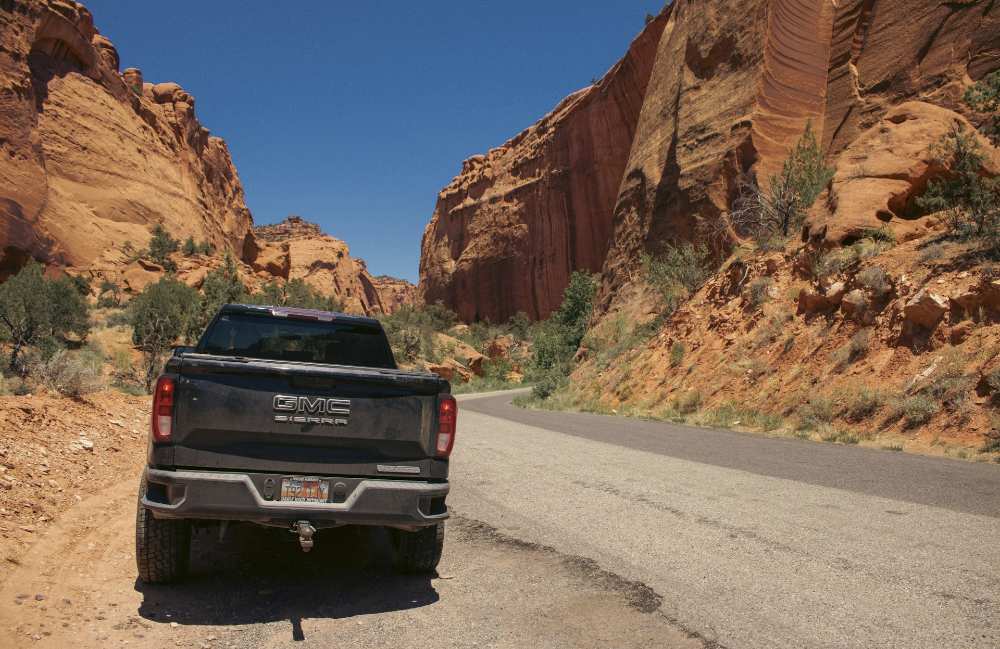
(297,419)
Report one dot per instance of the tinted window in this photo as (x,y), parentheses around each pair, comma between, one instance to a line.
(333,343)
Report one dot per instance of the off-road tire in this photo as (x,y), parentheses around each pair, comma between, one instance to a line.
(420,551)
(162,546)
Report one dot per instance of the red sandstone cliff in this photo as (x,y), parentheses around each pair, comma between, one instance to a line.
(732,84)
(91,158)
(508,231)
(298,249)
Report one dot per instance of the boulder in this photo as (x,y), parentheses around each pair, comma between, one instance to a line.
(140,274)
(925,309)
(814,301)
(500,347)
(451,370)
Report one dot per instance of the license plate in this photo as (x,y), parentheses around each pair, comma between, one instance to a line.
(305,490)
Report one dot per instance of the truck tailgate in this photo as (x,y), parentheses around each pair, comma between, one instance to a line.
(236,414)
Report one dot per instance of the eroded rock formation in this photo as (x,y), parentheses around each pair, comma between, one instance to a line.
(91,158)
(731,87)
(298,249)
(511,227)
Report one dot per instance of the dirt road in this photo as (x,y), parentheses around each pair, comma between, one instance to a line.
(569,531)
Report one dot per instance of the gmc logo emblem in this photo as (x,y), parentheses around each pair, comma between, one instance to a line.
(311,410)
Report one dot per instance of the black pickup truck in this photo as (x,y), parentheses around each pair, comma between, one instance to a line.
(297,419)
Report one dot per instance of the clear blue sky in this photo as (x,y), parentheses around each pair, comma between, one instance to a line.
(355,114)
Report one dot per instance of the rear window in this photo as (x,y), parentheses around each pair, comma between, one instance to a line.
(278,339)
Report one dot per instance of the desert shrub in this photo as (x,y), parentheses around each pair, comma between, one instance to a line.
(916,411)
(677,351)
(876,280)
(412,330)
(859,345)
(814,413)
(969,199)
(109,294)
(881,235)
(837,436)
(932,252)
(163,313)
(221,286)
(993,382)
(770,217)
(864,404)
(677,271)
(950,385)
(161,245)
(190,248)
(614,337)
(834,262)
(759,291)
(547,382)
(118,318)
(36,311)
(81,284)
(687,403)
(984,97)
(71,374)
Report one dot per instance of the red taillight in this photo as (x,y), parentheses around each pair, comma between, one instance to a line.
(447,418)
(163,409)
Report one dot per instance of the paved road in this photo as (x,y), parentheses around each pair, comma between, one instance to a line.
(750,542)
(569,530)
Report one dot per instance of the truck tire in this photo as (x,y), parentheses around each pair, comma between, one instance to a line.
(420,551)
(162,546)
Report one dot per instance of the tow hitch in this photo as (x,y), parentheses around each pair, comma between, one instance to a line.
(305,530)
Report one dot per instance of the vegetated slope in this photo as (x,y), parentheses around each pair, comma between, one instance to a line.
(889,325)
(95,158)
(511,227)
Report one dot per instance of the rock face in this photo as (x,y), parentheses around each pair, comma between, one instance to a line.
(731,86)
(298,249)
(91,158)
(511,227)
(880,175)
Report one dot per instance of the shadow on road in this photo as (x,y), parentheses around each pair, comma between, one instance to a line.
(260,575)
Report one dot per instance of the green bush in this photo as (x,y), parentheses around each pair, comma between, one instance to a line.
(864,404)
(916,410)
(412,331)
(190,247)
(814,413)
(677,351)
(770,217)
(875,279)
(984,97)
(163,313)
(969,199)
(759,291)
(36,311)
(110,294)
(221,286)
(161,245)
(677,271)
(557,339)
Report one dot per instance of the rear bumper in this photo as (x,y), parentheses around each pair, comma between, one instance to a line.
(252,497)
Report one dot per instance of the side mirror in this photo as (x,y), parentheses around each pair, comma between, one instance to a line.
(180,350)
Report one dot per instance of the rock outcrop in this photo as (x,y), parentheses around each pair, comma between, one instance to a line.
(93,158)
(509,230)
(731,86)
(298,249)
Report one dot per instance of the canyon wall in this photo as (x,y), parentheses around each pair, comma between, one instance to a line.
(91,158)
(511,227)
(732,85)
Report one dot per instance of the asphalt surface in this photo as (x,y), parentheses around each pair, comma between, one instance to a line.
(749,541)
(568,530)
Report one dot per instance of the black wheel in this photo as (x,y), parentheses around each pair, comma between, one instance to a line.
(162,547)
(420,551)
